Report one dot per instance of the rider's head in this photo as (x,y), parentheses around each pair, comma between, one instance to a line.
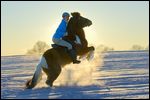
(66,16)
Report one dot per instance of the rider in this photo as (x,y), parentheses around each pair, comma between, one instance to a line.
(60,33)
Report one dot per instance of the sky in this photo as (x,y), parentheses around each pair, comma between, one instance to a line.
(116,24)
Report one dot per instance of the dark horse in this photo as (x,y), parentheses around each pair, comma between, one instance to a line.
(55,58)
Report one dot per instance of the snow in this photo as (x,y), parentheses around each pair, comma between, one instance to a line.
(119,75)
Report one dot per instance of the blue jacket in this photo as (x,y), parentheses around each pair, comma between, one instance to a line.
(61,30)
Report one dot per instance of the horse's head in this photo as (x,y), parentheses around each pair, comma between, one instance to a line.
(81,21)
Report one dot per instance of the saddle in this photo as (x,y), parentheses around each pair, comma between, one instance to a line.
(63,47)
(58,46)
(55,45)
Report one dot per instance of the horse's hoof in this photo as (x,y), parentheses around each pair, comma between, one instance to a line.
(28,85)
(27,88)
(49,83)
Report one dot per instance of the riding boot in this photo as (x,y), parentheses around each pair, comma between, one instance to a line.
(73,56)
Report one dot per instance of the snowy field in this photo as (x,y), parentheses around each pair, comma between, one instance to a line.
(119,75)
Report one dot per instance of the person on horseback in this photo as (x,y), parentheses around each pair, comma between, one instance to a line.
(60,33)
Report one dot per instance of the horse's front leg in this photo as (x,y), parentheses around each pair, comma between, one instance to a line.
(84,43)
(91,48)
(90,54)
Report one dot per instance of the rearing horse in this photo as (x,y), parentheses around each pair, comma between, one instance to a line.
(55,58)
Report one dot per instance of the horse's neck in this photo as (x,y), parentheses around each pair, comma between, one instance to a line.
(81,34)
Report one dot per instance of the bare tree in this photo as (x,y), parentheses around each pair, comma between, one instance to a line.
(39,48)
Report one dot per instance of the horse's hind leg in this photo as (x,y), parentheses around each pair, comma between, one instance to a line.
(36,77)
(52,74)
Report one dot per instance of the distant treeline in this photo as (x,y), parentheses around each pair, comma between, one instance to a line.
(40,47)
(135,47)
(138,47)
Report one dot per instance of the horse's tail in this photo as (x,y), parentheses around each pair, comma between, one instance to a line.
(37,75)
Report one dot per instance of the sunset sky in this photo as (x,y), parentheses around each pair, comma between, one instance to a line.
(117,24)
